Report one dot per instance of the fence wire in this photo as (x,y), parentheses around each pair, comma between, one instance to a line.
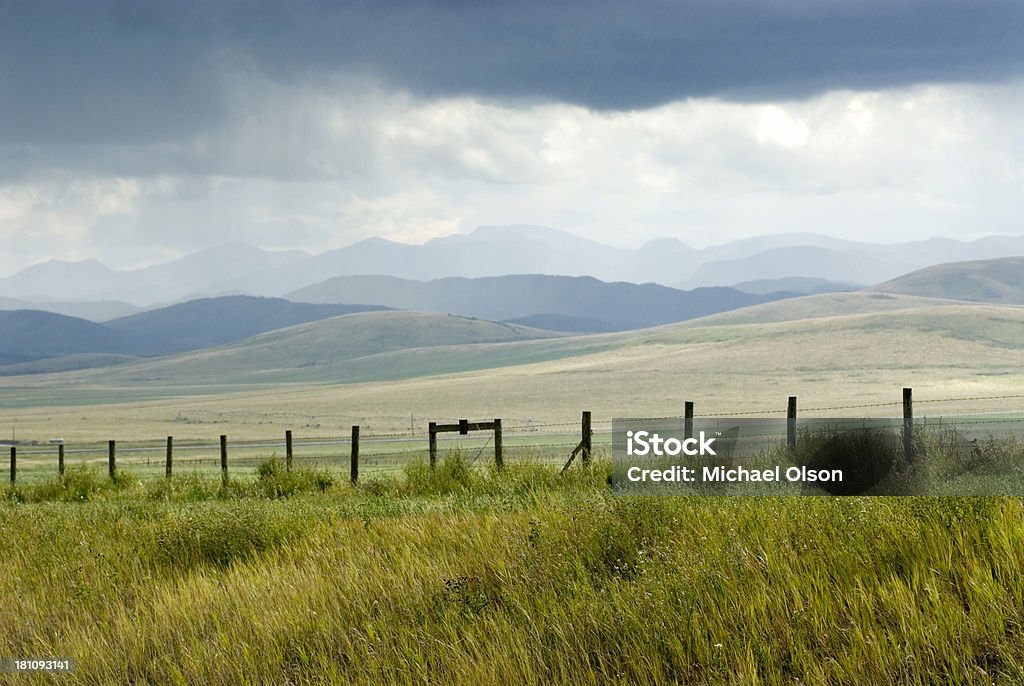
(523,438)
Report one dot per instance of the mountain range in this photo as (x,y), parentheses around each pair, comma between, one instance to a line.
(259,340)
(579,304)
(495,251)
(33,341)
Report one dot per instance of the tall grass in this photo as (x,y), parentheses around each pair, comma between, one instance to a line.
(475,576)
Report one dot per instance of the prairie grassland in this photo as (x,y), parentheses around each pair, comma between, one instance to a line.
(462,576)
(735,362)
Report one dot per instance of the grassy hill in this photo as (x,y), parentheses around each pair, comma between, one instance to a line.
(821,306)
(363,346)
(207,322)
(992,281)
(30,335)
(34,341)
(853,355)
(66,363)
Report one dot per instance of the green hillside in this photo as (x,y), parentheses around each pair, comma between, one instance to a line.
(375,345)
(208,322)
(851,351)
(992,281)
(30,335)
(821,306)
(66,363)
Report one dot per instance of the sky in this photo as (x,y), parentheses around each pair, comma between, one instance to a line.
(137,131)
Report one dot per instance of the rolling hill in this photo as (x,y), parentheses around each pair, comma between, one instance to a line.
(347,348)
(213,321)
(991,281)
(30,335)
(855,349)
(33,341)
(821,307)
(563,303)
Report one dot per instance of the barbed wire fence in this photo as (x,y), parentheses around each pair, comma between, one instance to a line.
(391,451)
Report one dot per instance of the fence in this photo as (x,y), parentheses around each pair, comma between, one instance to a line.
(558,442)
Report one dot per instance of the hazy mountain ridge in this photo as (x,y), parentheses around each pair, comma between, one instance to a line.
(31,336)
(94,310)
(540,300)
(206,272)
(804,285)
(213,321)
(496,251)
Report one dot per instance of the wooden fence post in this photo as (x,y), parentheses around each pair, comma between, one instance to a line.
(585,431)
(288,450)
(224,460)
(432,430)
(791,424)
(169,462)
(908,424)
(60,459)
(688,419)
(499,459)
(111,458)
(14,464)
(355,454)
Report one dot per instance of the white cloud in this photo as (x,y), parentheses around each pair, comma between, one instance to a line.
(321,165)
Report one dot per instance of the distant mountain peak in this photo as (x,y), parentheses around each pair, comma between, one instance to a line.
(666,244)
(518,229)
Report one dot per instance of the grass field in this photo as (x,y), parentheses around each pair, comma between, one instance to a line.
(470,576)
(833,350)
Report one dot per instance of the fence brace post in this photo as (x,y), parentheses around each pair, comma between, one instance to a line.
(791,424)
(499,460)
(224,460)
(908,424)
(432,430)
(355,454)
(169,461)
(586,436)
(288,450)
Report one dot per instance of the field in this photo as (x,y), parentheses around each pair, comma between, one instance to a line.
(469,576)
(834,350)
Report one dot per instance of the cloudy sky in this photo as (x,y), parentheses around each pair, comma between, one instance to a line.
(140,130)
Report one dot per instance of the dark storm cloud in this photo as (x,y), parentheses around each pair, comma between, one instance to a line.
(136,70)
